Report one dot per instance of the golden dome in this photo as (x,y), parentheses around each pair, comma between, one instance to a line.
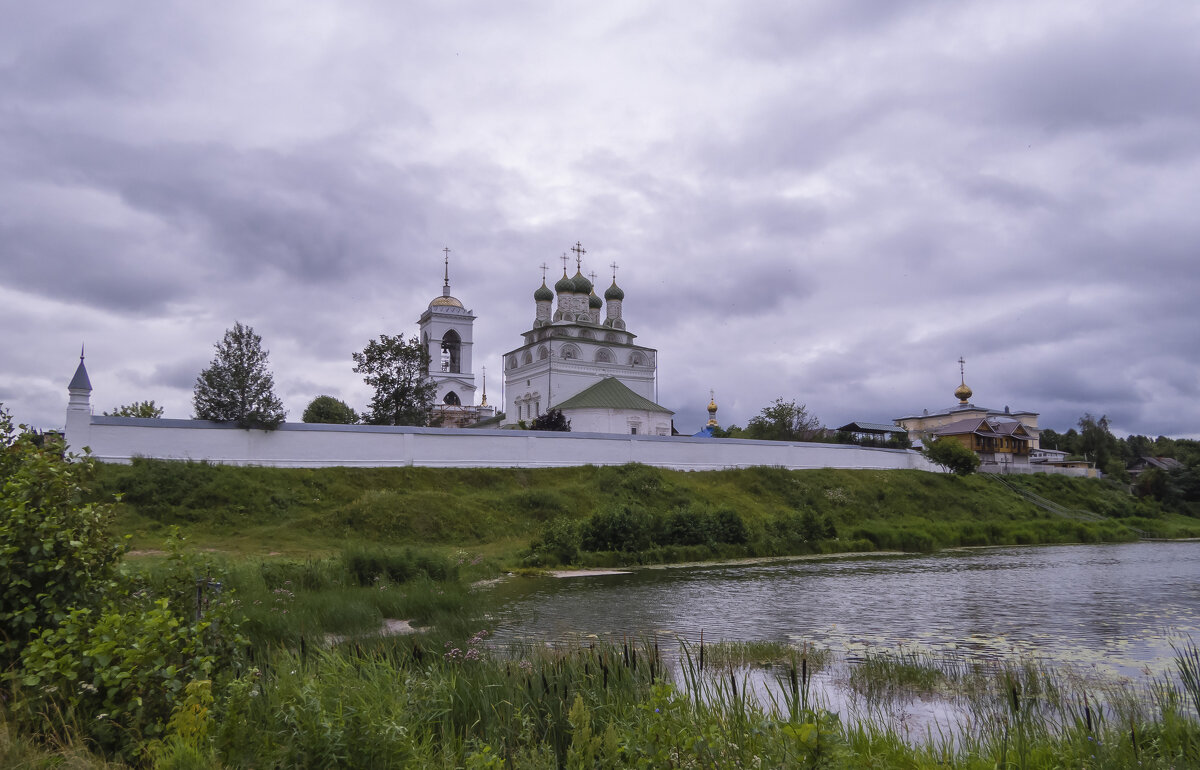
(446,301)
(712,406)
(962,393)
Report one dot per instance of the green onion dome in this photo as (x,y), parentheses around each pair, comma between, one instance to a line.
(582,284)
(543,294)
(594,302)
(565,285)
(614,292)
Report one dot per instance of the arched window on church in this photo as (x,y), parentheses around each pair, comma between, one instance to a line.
(637,359)
(570,351)
(527,358)
(451,352)
(543,353)
(452,399)
(604,356)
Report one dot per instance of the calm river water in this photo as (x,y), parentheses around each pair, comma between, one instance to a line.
(1118,607)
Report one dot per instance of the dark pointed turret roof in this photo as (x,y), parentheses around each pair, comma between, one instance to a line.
(80,381)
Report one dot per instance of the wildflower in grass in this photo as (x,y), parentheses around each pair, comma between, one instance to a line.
(525,666)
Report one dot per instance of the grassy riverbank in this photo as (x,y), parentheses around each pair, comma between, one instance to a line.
(674,516)
(410,702)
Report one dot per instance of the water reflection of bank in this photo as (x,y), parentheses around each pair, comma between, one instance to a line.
(1116,607)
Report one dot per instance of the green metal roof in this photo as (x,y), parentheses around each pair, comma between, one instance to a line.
(610,393)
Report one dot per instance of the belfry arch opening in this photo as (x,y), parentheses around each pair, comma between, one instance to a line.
(451,352)
(452,399)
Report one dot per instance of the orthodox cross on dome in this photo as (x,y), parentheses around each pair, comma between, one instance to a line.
(592,275)
(484,401)
(544,269)
(614,268)
(446,251)
(962,392)
(579,252)
(564,258)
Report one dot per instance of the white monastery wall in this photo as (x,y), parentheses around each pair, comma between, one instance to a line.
(298,445)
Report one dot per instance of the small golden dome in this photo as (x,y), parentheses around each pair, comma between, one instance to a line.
(712,406)
(962,393)
(445,302)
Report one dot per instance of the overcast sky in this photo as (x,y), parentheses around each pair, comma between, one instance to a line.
(825,201)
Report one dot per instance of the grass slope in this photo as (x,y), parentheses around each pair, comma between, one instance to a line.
(259,511)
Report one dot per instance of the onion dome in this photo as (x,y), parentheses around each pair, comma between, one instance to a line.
(582,284)
(962,393)
(543,294)
(614,292)
(594,302)
(565,285)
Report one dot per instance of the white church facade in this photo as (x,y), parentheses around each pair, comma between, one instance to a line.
(580,358)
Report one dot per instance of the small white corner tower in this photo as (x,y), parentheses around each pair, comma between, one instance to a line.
(79,409)
(445,329)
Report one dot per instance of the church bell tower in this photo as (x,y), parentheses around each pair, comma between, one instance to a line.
(445,329)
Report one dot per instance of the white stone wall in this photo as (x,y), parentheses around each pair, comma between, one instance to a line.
(619,421)
(119,439)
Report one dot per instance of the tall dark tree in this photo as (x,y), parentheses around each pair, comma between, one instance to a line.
(783,421)
(399,373)
(236,386)
(328,409)
(1097,443)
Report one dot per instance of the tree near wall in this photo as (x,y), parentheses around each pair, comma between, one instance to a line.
(398,371)
(551,419)
(237,386)
(952,456)
(327,409)
(783,421)
(145,409)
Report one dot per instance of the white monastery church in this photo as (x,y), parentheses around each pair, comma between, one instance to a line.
(583,364)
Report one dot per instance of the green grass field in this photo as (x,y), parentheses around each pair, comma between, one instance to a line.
(498,513)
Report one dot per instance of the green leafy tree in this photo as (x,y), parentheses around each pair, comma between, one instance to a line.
(784,421)
(551,419)
(733,431)
(398,371)
(952,456)
(56,551)
(236,386)
(328,409)
(1098,444)
(146,409)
